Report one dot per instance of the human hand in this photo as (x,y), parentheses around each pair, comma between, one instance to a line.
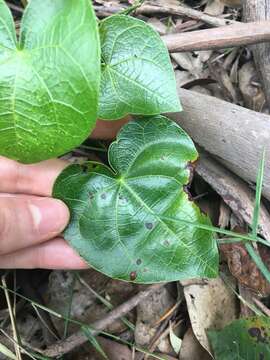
(31,221)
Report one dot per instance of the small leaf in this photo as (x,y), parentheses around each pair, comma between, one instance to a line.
(3,349)
(244,339)
(175,341)
(117,222)
(94,342)
(137,75)
(49,79)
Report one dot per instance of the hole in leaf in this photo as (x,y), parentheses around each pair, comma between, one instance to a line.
(166,243)
(139,261)
(103,196)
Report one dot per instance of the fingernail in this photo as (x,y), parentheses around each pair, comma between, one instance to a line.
(49,216)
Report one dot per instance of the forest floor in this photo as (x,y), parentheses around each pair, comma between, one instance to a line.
(168,321)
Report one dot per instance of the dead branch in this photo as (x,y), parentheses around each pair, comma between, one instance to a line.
(154,8)
(234,191)
(239,34)
(79,338)
(259,10)
(235,135)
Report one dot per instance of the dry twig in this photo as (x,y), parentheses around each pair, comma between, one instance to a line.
(237,136)
(219,38)
(180,10)
(79,338)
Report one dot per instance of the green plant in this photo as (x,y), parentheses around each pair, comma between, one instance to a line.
(246,339)
(133,220)
(49,78)
(118,212)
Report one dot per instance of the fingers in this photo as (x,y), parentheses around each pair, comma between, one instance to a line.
(37,179)
(25,221)
(108,129)
(53,254)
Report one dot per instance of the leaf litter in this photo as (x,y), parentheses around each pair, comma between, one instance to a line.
(205,309)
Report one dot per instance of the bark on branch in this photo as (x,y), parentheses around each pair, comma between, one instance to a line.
(259,10)
(219,38)
(235,135)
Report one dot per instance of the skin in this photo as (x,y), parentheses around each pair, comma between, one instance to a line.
(31,222)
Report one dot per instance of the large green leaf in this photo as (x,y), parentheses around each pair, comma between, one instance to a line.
(49,79)
(137,75)
(117,214)
(244,339)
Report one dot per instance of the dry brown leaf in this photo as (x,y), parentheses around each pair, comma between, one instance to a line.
(211,305)
(157,25)
(191,348)
(149,313)
(250,87)
(244,269)
(214,8)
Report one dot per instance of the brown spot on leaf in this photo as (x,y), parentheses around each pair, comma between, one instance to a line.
(166,243)
(256,332)
(186,190)
(91,195)
(149,225)
(133,275)
(139,261)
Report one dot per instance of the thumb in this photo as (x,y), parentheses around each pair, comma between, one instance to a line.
(29,220)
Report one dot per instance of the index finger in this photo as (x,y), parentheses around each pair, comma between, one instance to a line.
(34,179)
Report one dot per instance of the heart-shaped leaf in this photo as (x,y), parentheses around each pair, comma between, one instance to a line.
(137,75)
(244,339)
(49,78)
(119,215)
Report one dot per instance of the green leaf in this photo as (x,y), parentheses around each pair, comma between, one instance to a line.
(137,75)
(93,341)
(49,79)
(244,339)
(175,341)
(116,213)
(3,349)
(259,187)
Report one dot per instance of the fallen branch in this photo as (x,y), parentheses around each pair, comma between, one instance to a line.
(234,191)
(259,10)
(235,135)
(183,10)
(239,34)
(79,338)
